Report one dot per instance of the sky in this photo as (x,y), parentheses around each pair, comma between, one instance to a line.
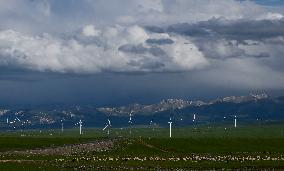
(117,52)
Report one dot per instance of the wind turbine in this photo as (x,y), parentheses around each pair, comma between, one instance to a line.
(17,119)
(130,118)
(170,122)
(80,122)
(62,124)
(151,124)
(14,122)
(194,118)
(7,120)
(108,125)
(23,123)
(130,121)
(235,122)
(80,126)
(224,119)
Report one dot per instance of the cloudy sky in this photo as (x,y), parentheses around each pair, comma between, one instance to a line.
(124,51)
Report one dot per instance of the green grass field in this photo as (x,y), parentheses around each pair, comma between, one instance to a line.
(246,147)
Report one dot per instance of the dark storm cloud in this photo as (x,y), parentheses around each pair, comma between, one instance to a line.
(160,41)
(261,55)
(219,49)
(140,49)
(222,39)
(151,64)
(156,29)
(224,49)
(230,29)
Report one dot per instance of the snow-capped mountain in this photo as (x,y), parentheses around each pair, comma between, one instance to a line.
(176,104)
(248,108)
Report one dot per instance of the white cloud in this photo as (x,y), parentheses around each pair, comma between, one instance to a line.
(270,16)
(185,54)
(136,34)
(48,53)
(90,30)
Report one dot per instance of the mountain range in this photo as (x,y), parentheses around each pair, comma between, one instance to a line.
(248,109)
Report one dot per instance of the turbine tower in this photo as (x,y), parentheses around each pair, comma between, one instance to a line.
(130,121)
(80,122)
(235,122)
(194,118)
(170,122)
(151,125)
(224,121)
(80,126)
(62,128)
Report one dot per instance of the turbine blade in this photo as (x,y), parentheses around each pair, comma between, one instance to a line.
(105,127)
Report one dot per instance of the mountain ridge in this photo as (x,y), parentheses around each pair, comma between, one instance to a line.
(247,108)
(172,104)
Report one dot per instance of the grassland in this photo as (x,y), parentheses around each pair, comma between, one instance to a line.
(253,147)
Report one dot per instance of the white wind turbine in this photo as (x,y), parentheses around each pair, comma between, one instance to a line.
(194,119)
(108,125)
(224,121)
(7,120)
(170,122)
(14,122)
(151,124)
(235,122)
(130,121)
(21,123)
(62,126)
(80,126)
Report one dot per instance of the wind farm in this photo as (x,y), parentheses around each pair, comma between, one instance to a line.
(190,148)
(112,147)
(138,85)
